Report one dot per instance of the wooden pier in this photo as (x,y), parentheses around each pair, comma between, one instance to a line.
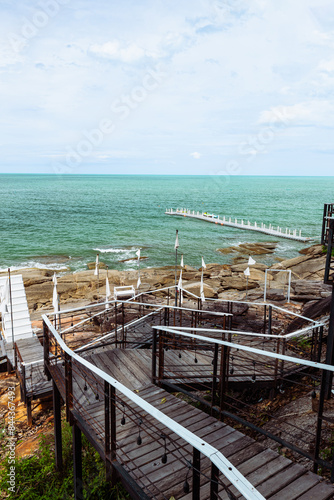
(278,232)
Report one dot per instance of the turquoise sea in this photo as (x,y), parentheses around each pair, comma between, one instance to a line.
(63,221)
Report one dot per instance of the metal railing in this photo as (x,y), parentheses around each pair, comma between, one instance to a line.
(83,384)
(246,378)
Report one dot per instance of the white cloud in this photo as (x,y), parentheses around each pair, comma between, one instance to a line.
(303,113)
(327,66)
(115,50)
(196,155)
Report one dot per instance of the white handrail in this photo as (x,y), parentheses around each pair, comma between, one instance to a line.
(297,333)
(240,347)
(103,337)
(223,464)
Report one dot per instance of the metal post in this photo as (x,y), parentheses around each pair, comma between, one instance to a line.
(113,437)
(319,420)
(68,387)
(214,482)
(107,443)
(196,474)
(57,426)
(176,247)
(214,377)
(269,320)
(116,325)
(265,286)
(330,348)
(161,358)
(77,462)
(11,315)
(46,348)
(154,357)
(289,286)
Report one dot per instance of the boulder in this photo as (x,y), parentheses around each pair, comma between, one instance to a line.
(310,287)
(195,288)
(275,294)
(260,248)
(314,250)
(238,282)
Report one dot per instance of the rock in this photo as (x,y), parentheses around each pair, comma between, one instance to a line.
(240,268)
(312,310)
(238,283)
(91,265)
(304,266)
(195,288)
(314,250)
(134,259)
(260,248)
(275,294)
(310,287)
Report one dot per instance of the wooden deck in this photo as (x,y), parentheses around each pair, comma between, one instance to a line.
(275,476)
(30,371)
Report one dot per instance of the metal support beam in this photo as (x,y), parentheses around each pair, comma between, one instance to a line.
(77,462)
(214,482)
(57,426)
(196,474)
(330,349)
(29,411)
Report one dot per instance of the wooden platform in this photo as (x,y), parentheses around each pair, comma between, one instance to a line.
(30,371)
(275,476)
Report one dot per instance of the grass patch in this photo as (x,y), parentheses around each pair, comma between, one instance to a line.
(37,478)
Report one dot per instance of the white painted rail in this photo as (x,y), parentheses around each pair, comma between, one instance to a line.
(216,457)
(290,234)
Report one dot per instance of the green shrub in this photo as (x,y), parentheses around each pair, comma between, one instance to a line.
(37,478)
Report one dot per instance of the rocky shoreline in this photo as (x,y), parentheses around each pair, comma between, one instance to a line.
(224,281)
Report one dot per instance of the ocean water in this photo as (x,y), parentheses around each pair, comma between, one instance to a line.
(61,222)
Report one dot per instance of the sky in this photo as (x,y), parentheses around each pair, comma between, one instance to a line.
(216,87)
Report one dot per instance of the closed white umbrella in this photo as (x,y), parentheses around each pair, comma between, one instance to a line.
(179,287)
(182,264)
(247,273)
(176,246)
(55,298)
(96,272)
(251,261)
(107,291)
(202,283)
(139,280)
(107,288)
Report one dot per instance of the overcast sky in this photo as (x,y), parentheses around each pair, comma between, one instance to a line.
(168,87)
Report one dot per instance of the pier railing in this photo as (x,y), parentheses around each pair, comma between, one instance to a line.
(117,421)
(248,379)
(278,231)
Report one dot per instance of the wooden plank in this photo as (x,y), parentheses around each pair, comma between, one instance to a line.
(321,491)
(280,480)
(298,487)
